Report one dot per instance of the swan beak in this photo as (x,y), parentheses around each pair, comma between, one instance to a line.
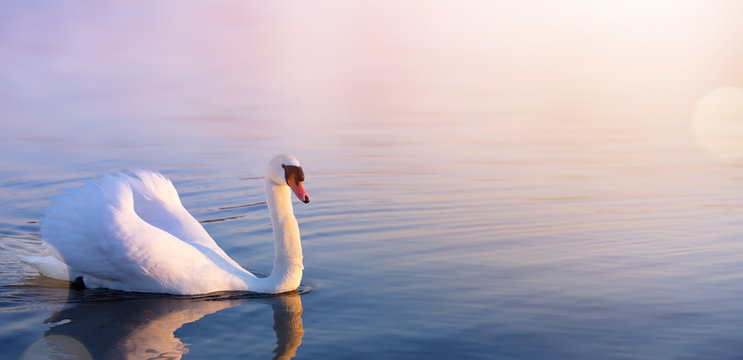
(299,191)
(294,177)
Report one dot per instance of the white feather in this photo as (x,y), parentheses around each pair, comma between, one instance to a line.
(131,232)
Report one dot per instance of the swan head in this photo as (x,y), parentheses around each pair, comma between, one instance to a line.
(285,170)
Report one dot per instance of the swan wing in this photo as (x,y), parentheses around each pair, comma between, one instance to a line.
(96,230)
(156,201)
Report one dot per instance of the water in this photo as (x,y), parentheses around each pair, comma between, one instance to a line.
(489,180)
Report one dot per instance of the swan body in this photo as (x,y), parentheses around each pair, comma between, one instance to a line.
(129,231)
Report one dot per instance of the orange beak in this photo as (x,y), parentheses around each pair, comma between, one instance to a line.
(298,189)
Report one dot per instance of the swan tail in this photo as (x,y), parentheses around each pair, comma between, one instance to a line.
(75,224)
(49,266)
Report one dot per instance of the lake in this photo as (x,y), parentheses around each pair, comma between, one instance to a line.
(489,180)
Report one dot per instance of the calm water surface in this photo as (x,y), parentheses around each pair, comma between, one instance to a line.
(489,180)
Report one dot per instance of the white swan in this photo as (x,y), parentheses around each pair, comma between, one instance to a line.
(130,232)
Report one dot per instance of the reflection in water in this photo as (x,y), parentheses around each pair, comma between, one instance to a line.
(287,323)
(144,327)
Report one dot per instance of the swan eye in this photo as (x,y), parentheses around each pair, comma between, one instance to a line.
(293,172)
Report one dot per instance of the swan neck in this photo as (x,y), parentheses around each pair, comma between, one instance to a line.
(287,266)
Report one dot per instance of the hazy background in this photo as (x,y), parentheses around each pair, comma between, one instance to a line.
(299,71)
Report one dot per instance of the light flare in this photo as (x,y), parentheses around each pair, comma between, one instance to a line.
(717,123)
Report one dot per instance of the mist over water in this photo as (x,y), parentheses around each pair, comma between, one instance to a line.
(488,179)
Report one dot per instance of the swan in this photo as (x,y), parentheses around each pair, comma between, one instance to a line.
(129,231)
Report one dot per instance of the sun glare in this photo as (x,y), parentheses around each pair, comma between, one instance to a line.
(57,346)
(717,122)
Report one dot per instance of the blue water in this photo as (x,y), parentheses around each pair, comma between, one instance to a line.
(488,180)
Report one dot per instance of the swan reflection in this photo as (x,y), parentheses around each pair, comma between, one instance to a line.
(143,327)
